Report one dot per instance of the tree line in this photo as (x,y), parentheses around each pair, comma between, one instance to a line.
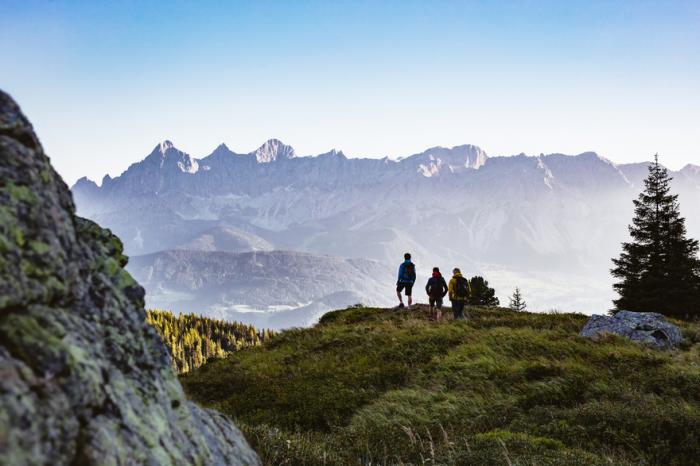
(192,340)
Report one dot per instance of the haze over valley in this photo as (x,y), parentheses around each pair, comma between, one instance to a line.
(276,239)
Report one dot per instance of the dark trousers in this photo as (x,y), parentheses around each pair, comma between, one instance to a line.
(435,302)
(458,310)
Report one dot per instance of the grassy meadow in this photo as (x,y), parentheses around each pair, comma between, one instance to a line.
(376,386)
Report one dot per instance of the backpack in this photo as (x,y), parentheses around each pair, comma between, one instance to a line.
(409,272)
(461,288)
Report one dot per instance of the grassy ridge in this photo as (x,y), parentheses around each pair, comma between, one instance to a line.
(372,385)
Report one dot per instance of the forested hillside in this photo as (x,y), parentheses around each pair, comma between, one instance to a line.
(192,339)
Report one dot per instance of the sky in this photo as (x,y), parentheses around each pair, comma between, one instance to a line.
(104,82)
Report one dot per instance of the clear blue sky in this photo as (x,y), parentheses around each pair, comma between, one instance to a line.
(103,82)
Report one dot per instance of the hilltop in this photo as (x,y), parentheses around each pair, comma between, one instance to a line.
(375,385)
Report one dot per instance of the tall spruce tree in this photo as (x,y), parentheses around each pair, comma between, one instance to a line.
(659,269)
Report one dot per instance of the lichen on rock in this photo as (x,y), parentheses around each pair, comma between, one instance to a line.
(84,379)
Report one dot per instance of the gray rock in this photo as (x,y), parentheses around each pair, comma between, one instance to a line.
(647,328)
(83,378)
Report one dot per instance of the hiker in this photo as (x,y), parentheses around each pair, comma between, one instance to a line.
(407,277)
(459,290)
(436,288)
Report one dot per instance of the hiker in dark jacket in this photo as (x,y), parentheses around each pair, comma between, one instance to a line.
(407,277)
(436,288)
(459,290)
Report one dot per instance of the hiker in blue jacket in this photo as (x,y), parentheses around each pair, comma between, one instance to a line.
(407,277)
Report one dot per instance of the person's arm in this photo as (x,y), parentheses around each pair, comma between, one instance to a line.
(450,288)
(444,287)
(400,272)
(427,288)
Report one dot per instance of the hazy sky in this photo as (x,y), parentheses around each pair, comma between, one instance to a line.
(103,82)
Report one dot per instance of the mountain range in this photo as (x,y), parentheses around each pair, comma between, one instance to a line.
(548,224)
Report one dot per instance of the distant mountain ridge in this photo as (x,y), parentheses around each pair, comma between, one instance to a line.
(549,223)
(167,168)
(166,161)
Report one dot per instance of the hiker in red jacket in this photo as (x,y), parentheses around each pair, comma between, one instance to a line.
(436,288)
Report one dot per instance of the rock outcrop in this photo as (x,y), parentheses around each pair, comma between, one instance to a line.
(83,378)
(647,328)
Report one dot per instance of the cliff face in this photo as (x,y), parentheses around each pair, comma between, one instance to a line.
(83,378)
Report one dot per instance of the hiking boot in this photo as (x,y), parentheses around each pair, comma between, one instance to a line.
(401,306)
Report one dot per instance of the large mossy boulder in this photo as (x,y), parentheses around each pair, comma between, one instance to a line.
(83,378)
(646,328)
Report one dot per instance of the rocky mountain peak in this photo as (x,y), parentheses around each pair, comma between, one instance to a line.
(163,147)
(273,150)
(455,159)
(166,155)
(85,182)
(594,157)
(333,153)
(690,168)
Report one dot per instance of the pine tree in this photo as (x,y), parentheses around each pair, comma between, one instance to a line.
(193,340)
(516,301)
(481,294)
(659,269)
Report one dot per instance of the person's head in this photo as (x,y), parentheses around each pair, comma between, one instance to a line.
(407,256)
(456,270)
(436,269)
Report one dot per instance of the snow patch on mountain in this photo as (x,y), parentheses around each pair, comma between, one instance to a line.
(164,146)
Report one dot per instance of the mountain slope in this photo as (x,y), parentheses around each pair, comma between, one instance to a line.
(386,387)
(267,289)
(226,238)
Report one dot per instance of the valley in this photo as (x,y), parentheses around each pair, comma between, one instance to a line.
(549,224)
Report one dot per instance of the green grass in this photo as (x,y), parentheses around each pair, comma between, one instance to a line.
(372,386)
